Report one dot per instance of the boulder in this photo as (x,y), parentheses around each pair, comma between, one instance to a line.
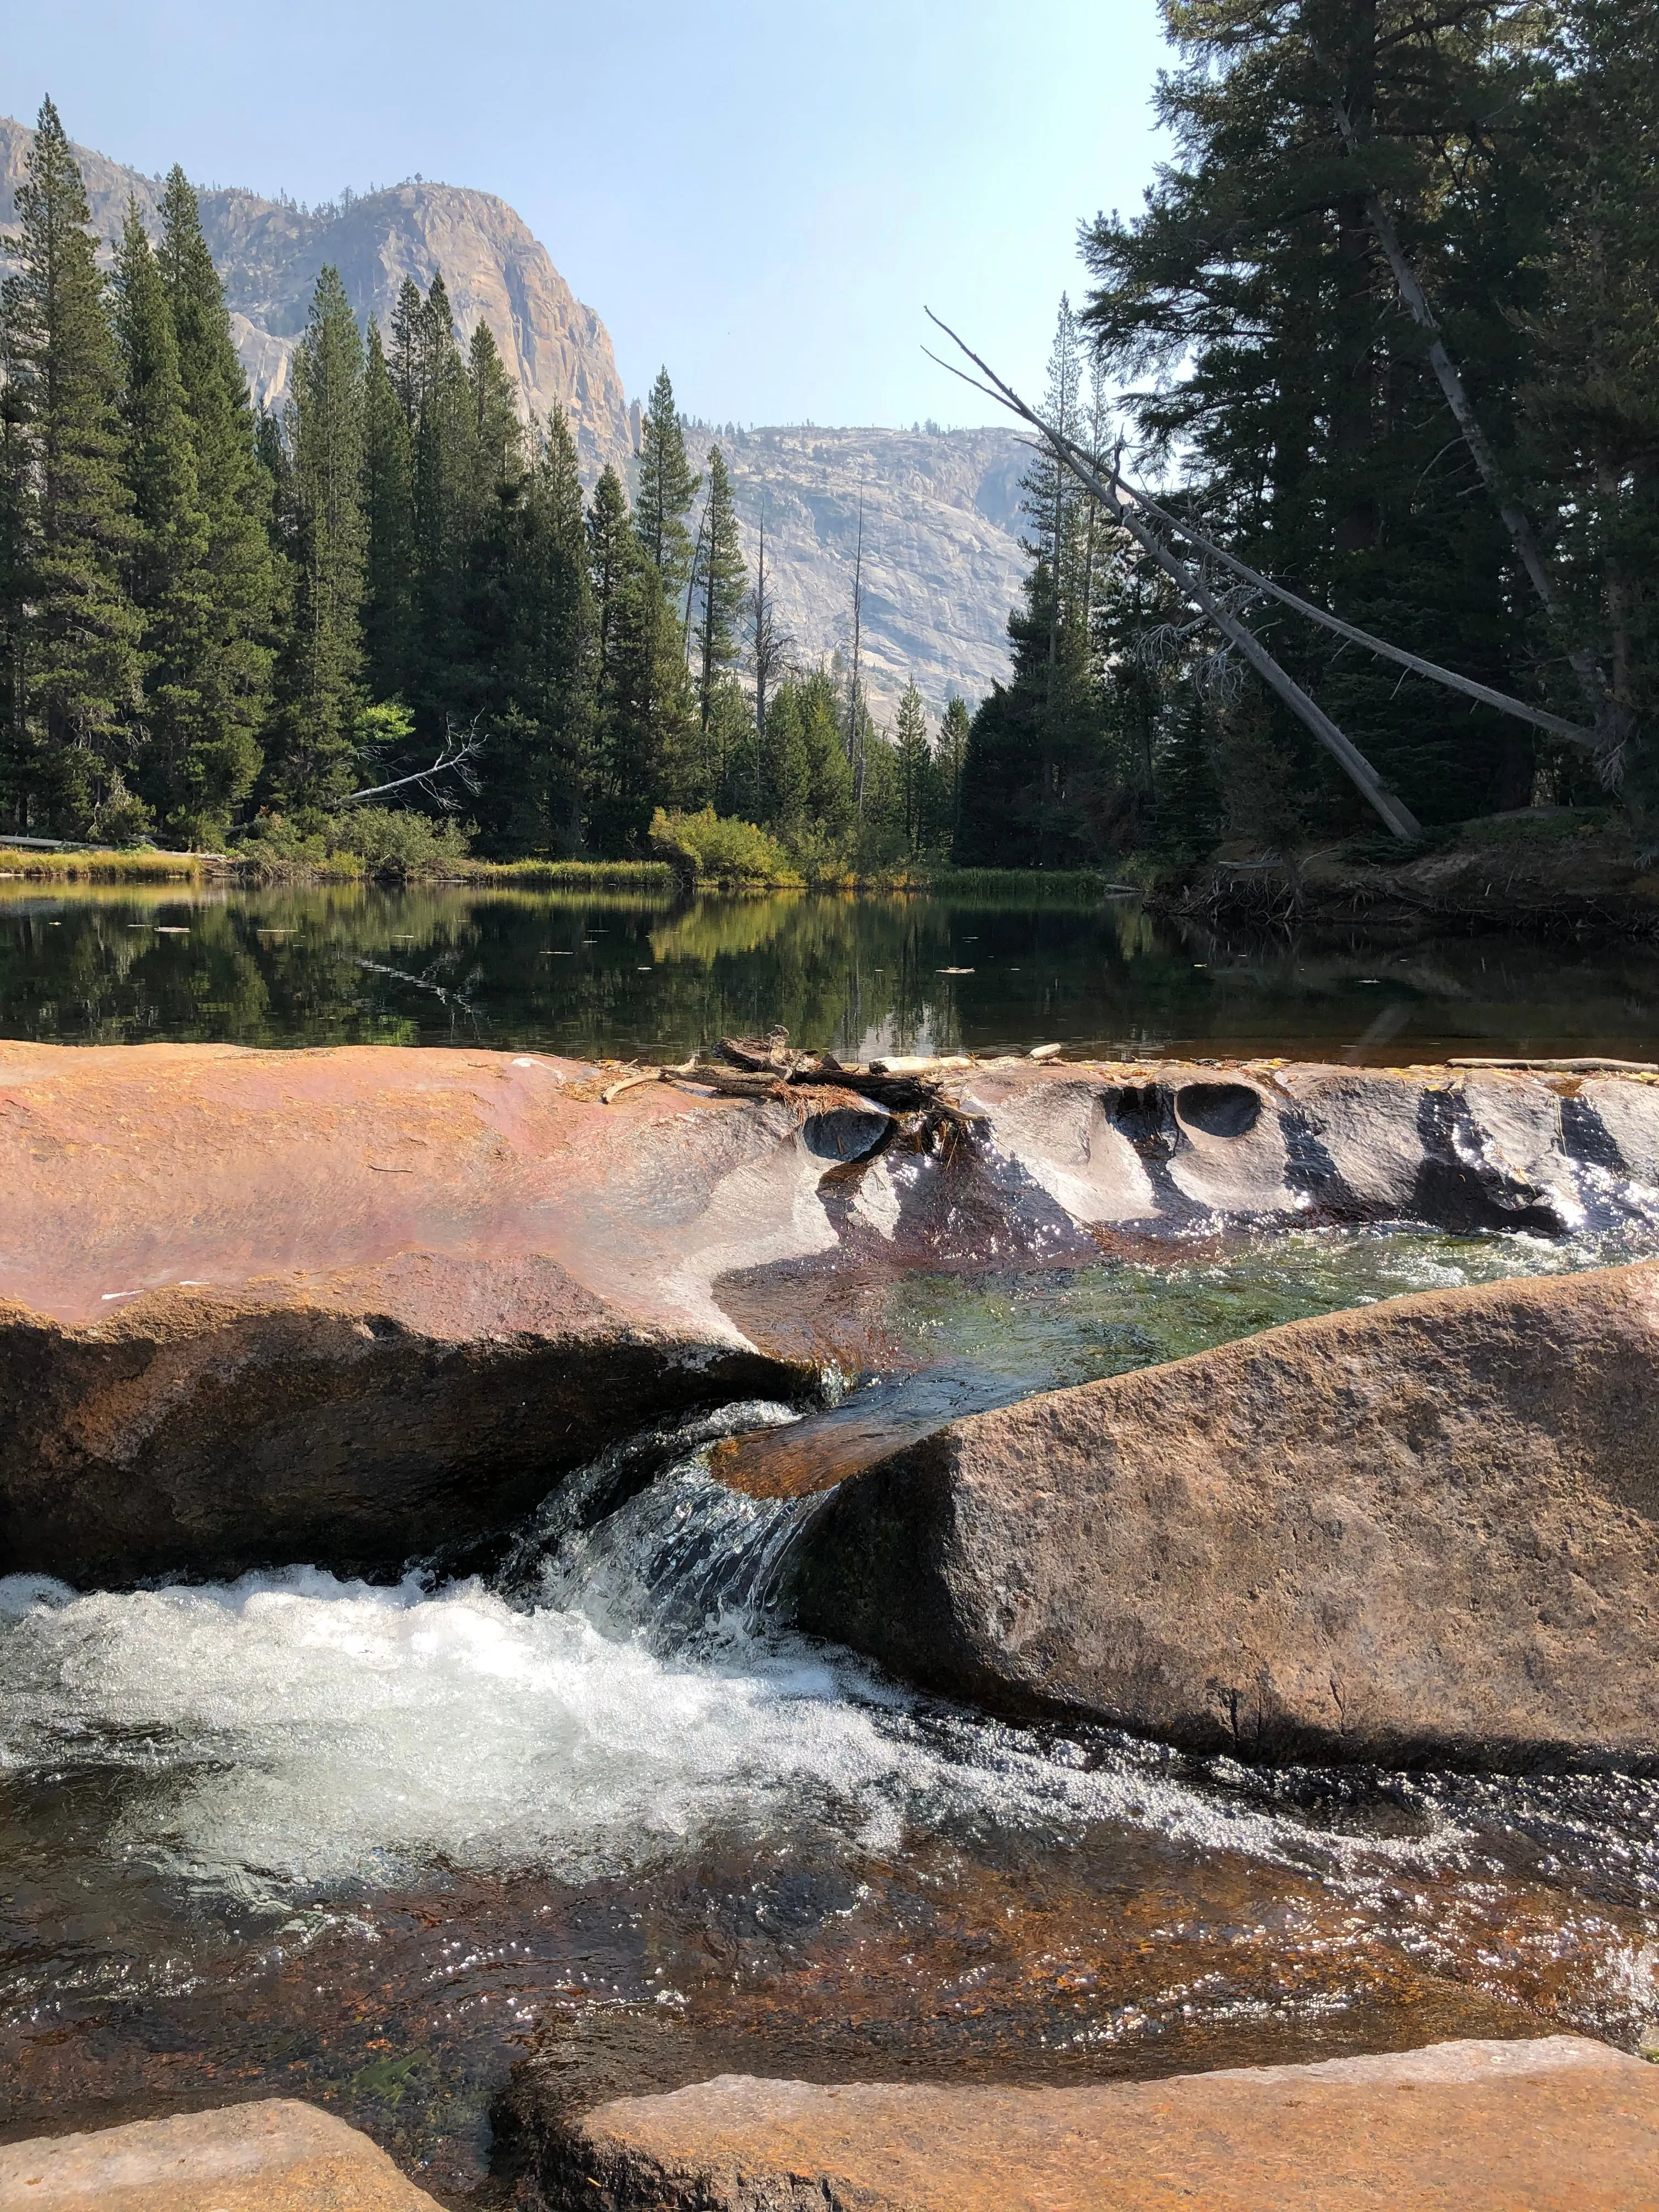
(347,1306)
(1428,1529)
(1561,2124)
(275,2155)
(353,1305)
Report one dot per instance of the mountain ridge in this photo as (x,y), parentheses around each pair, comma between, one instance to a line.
(942,555)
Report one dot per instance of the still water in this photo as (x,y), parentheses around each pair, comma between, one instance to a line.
(618,978)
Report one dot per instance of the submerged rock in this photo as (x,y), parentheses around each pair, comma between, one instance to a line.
(1428,1529)
(1559,2125)
(275,2155)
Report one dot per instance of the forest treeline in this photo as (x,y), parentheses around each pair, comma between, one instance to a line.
(1279,385)
(215,621)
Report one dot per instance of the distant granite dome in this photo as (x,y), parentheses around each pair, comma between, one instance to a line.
(269,253)
(943,561)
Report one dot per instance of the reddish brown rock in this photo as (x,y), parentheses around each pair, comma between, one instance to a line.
(277,2155)
(1428,1529)
(1562,2125)
(346,1306)
(351,1305)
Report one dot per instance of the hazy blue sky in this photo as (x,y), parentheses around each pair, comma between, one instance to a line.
(761,195)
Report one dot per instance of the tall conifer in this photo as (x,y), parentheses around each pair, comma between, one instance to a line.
(167,572)
(722,583)
(668,485)
(388,602)
(234,494)
(71,625)
(325,434)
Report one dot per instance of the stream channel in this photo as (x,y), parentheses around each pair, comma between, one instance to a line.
(596,1806)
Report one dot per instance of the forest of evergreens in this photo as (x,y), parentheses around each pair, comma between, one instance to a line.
(1279,382)
(218,625)
(217,622)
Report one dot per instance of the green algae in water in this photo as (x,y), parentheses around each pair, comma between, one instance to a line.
(1052,1329)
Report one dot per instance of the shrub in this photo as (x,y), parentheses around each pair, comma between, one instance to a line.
(717,849)
(390,842)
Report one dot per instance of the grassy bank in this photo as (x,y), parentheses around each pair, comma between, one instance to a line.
(259,863)
(109,866)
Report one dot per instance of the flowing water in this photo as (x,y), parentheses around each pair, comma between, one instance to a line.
(619,977)
(599,1809)
(373,1846)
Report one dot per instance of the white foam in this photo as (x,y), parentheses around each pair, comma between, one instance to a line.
(299,1730)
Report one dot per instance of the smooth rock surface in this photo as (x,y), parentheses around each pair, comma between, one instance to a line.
(1562,2125)
(349,1305)
(277,2155)
(1425,1528)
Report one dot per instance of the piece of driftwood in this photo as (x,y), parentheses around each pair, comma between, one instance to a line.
(775,1054)
(1044,1051)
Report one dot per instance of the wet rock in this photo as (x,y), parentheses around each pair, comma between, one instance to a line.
(277,2155)
(346,1306)
(1560,2124)
(400,1293)
(1136,1146)
(1425,1529)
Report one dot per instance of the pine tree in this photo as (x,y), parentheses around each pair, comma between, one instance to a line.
(496,438)
(668,485)
(635,657)
(536,639)
(70,627)
(167,568)
(1314,433)
(724,579)
(952,753)
(915,767)
(441,464)
(1186,817)
(247,590)
(324,435)
(389,523)
(1590,428)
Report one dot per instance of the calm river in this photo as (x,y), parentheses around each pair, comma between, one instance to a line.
(615,977)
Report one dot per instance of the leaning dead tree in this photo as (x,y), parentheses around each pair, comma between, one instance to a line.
(455,755)
(1609,730)
(1155,529)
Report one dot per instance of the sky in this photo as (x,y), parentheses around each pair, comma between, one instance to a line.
(758,193)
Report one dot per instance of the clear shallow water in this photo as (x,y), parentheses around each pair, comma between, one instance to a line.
(619,977)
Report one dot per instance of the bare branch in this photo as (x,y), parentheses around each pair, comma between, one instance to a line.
(451,756)
(1116,493)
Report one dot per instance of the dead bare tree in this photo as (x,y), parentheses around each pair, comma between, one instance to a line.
(1116,494)
(454,756)
(1125,497)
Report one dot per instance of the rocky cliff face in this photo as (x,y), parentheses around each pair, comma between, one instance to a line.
(269,253)
(942,561)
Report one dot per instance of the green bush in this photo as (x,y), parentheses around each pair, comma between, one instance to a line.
(392,842)
(716,848)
